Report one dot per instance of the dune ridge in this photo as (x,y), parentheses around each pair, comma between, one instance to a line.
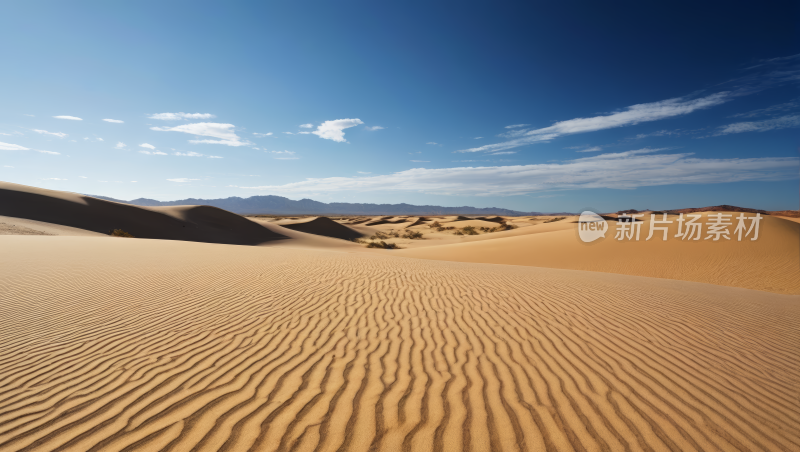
(190,223)
(323,226)
(167,345)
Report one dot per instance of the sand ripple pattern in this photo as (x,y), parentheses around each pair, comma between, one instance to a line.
(121,345)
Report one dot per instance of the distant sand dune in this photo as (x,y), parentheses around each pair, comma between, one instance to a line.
(190,223)
(323,226)
(122,344)
(771,263)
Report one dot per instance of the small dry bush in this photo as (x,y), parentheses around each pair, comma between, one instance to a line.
(413,235)
(435,225)
(120,233)
(553,220)
(383,245)
(384,235)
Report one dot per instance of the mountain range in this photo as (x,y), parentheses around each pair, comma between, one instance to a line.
(278,205)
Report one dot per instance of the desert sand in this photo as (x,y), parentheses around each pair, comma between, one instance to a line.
(313,343)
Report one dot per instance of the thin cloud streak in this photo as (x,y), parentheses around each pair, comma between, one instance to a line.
(624,170)
(634,114)
(784,122)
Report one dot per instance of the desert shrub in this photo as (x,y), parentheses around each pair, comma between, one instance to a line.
(380,236)
(469,230)
(120,233)
(435,225)
(383,245)
(553,220)
(504,227)
(413,235)
(458,233)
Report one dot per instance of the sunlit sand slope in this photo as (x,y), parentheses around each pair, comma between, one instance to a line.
(122,344)
(771,263)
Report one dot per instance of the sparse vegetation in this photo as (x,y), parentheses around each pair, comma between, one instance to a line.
(413,235)
(384,235)
(120,233)
(467,230)
(435,225)
(383,245)
(553,220)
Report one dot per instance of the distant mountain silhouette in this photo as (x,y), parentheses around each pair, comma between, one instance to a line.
(278,205)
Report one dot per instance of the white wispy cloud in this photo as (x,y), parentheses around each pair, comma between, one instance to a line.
(634,114)
(189,154)
(234,143)
(72,118)
(147,145)
(223,132)
(783,122)
(262,135)
(776,60)
(55,134)
(181,179)
(16,147)
(206,129)
(374,127)
(281,152)
(304,133)
(623,170)
(431,142)
(516,126)
(288,133)
(115,121)
(120,145)
(83,177)
(503,152)
(478,138)
(306,126)
(214,157)
(286,158)
(25,114)
(11,147)
(774,109)
(334,130)
(591,149)
(153,152)
(659,133)
(364,172)
(181,115)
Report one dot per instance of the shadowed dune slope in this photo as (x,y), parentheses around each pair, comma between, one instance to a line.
(165,345)
(190,223)
(771,263)
(324,226)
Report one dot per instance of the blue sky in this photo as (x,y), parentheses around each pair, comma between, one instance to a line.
(535,108)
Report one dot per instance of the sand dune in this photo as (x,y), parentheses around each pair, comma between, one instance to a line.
(165,345)
(191,223)
(322,226)
(771,263)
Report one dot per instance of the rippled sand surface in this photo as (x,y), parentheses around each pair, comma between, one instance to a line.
(127,344)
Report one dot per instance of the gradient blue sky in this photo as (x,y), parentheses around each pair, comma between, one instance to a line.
(618,106)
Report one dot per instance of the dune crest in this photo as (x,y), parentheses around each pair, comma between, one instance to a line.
(189,223)
(323,226)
